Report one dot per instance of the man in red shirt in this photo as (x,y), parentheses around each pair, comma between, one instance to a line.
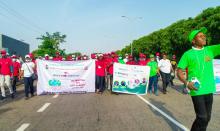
(57,57)
(69,58)
(46,57)
(16,70)
(100,74)
(130,60)
(111,69)
(142,59)
(6,71)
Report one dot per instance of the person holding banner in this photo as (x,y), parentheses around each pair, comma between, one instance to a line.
(27,71)
(130,60)
(154,70)
(58,57)
(100,74)
(110,69)
(200,82)
(120,59)
(142,59)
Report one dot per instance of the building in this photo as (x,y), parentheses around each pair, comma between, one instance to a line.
(13,46)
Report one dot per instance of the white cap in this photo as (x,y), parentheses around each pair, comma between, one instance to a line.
(100,54)
(46,55)
(27,56)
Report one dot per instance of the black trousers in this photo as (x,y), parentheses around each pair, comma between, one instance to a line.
(28,86)
(100,83)
(14,81)
(165,80)
(203,109)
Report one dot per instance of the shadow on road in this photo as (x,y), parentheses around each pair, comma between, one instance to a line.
(160,105)
(20,94)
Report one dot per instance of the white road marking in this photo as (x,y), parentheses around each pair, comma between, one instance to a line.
(23,127)
(44,107)
(55,96)
(164,114)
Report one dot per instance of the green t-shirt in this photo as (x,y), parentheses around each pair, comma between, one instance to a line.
(200,65)
(153,68)
(121,61)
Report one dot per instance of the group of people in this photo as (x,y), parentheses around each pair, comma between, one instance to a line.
(197,61)
(13,69)
(159,67)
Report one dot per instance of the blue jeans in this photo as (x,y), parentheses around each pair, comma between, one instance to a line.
(28,86)
(153,82)
(100,83)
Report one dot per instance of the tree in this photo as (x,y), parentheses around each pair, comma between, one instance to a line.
(50,44)
(174,38)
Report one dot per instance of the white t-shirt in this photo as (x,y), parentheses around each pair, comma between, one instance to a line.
(165,65)
(28,68)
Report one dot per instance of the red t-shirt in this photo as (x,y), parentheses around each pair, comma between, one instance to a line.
(143,63)
(5,64)
(111,67)
(100,68)
(148,60)
(131,63)
(16,67)
(57,59)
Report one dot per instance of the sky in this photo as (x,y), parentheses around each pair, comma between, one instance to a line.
(93,25)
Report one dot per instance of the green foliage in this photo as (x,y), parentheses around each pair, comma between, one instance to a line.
(174,38)
(50,44)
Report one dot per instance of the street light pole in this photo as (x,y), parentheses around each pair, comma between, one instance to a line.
(129,19)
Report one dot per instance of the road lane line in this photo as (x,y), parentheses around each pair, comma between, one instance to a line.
(55,96)
(164,114)
(23,127)
(44,107)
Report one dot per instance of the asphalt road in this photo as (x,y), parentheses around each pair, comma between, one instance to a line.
(106,112)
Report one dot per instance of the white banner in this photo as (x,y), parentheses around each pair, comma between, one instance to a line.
(216,64)
(131,79)
(65,76)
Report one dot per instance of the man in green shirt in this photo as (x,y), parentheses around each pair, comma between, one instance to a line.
(154,70)
(120,59)
(201,83)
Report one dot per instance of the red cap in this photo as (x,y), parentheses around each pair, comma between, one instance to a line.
(174,57)
(93,56)
(3,52)
(79,58)
(31,55)
(141,55)
(57,53)
(113,53)
(157,54)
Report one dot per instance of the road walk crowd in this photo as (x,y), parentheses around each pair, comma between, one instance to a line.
(197,62)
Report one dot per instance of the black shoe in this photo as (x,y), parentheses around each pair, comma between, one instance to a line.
(12,96)
(164,92)
(2,98)
(26,98)
(32,95)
